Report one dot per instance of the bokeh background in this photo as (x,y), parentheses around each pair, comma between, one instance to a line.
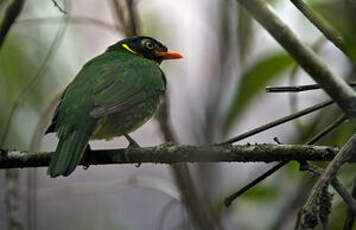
(217,91)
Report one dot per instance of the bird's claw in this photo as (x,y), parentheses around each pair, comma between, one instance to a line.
(132,144)
(85,158)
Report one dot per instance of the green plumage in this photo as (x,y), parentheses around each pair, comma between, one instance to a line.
(112,95)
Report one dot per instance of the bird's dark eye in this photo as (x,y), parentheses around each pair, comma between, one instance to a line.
(149,45)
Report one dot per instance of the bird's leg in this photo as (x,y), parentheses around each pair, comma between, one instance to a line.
(85,158)
(132,144)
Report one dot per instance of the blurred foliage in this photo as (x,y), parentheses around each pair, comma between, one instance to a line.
(261,193)
(253,81)
(342,134)
(338,215)
(268,68)
(2,4)
(29,78)
(245,34)
(17,68)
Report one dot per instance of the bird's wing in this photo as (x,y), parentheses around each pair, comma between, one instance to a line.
(119,94)
(105,85)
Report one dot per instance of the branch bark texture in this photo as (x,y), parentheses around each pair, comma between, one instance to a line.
(335,86)
(181,153)
(329,32)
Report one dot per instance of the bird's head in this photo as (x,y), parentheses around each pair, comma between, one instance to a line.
(146,47)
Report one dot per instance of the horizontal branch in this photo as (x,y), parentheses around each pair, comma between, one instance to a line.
(180,153)
(297,88)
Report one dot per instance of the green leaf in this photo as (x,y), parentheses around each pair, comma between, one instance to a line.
(253,81)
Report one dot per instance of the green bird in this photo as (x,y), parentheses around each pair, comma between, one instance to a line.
(114,94)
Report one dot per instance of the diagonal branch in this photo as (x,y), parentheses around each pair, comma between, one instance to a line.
(59,7)
(275,168)
(339,188)
(334,85)
(277,122)
(329,32)
(325,179)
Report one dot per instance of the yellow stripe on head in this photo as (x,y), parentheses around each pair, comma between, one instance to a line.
(128,48)
(156,63)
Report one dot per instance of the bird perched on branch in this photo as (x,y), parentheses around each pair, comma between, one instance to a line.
(113,94)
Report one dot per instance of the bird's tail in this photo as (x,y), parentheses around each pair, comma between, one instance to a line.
(68,154)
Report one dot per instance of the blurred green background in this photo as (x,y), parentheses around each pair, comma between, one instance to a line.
(217,91)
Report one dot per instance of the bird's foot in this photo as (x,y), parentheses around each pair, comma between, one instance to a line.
(85,158)
(132,144)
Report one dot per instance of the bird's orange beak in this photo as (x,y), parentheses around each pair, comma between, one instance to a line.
(169,55)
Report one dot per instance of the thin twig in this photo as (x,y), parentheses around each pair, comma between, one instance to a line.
(296,89)
(291,89)
(327,130)
(250,185)
(277,122)
(275,168)
(308,209)
(59,7)
(12,12)
(334,85)
(329,32)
